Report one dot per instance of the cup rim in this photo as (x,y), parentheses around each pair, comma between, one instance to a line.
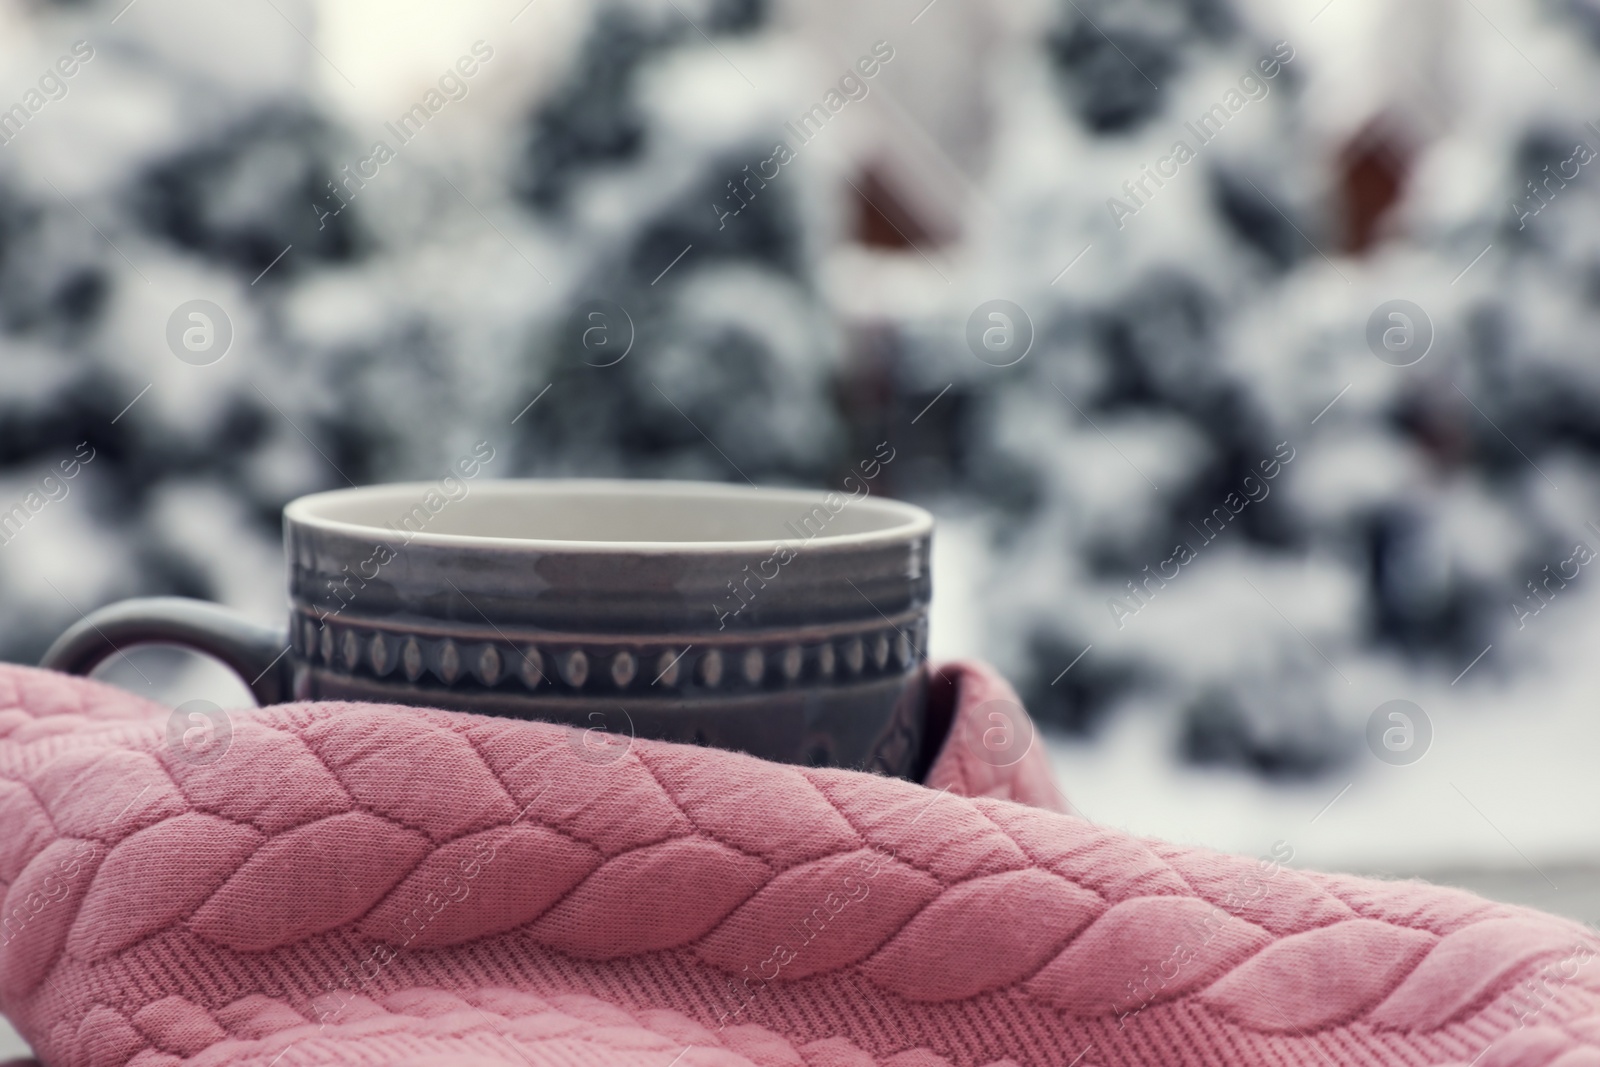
(913,521)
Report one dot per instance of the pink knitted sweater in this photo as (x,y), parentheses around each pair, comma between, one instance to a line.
(353,884)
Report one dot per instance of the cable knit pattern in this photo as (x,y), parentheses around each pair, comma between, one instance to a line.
(355,884)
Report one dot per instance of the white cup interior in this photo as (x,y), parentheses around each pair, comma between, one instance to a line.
(601,512)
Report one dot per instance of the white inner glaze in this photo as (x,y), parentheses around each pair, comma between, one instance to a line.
(612,513)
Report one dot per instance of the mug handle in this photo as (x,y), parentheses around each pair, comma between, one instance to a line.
(250,650)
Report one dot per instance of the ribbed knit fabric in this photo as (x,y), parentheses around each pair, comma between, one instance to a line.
(356,884)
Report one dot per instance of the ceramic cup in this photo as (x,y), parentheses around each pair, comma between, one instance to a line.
(788,624)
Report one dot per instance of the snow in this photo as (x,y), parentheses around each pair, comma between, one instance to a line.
(1172,354)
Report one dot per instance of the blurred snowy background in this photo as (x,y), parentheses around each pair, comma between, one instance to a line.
(1181,324)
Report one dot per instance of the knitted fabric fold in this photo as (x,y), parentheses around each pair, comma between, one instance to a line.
(362,884)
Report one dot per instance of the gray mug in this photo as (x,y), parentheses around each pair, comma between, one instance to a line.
(788,624)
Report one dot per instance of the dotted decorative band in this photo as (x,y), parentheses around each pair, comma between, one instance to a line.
(576,664)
